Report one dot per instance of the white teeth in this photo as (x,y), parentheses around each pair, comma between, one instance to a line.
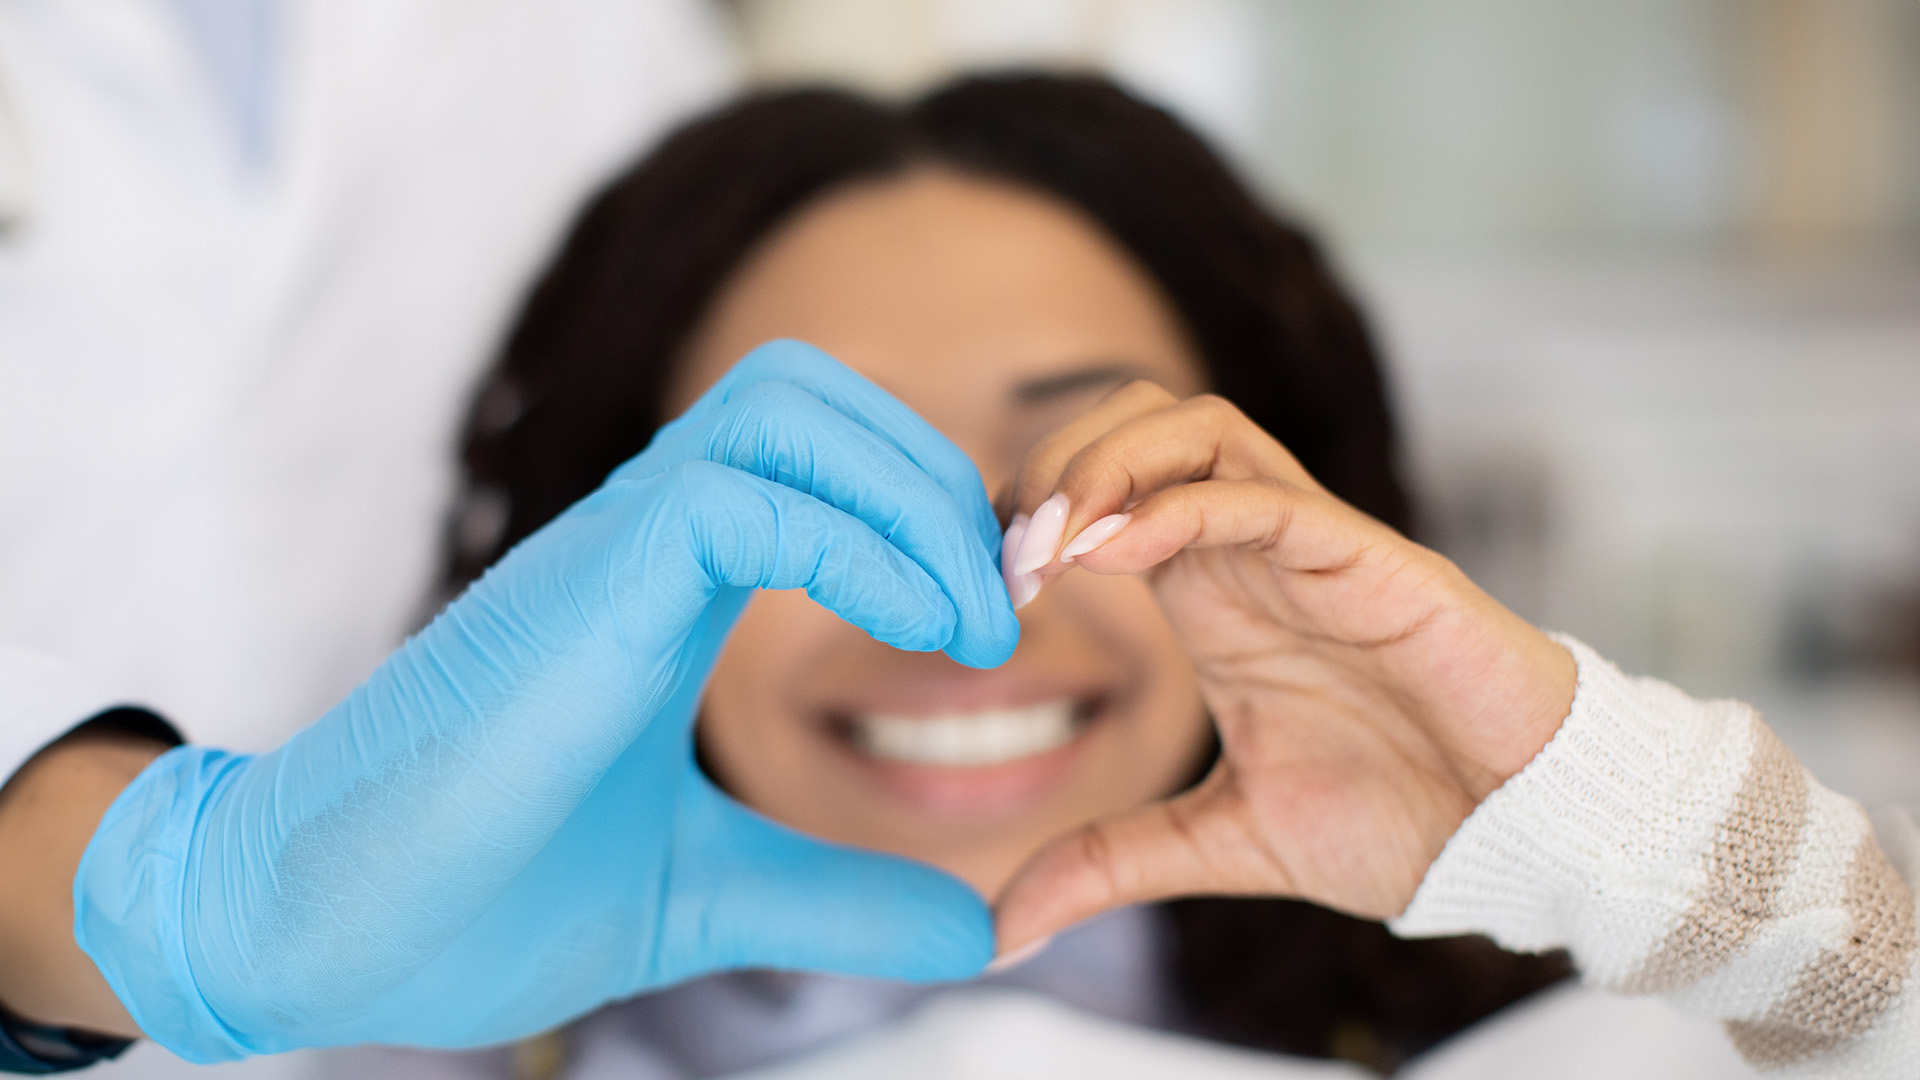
(987,737)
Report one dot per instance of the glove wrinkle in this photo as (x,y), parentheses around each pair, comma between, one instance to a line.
(505,825)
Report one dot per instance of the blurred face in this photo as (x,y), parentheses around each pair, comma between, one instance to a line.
(997,314)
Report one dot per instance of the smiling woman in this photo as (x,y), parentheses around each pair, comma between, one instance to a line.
(996,312)
(1000,255)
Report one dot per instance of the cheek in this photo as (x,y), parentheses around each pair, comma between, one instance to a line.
(1163,728)
(746,728)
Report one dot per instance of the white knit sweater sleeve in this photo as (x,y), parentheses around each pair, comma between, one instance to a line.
(1676,847)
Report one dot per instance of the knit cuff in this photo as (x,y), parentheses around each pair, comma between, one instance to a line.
(1603,830)
(1678,848)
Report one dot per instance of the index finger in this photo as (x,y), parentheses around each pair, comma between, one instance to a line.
(1139,442)
(1039,474)
(860,400)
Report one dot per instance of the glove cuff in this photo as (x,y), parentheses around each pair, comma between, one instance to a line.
(135,890)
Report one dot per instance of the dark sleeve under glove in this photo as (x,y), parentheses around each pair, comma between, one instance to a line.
(27,1047)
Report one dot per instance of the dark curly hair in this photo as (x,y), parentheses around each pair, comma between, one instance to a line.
(580,388)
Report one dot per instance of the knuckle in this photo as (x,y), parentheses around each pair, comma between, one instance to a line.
(1040,472)
(697,482)
(1140,392)
(756,421)
(763,395)
(1051,450)
(1100,853)
(1096,469)
(1214,409)
(1184,821)
(779,353)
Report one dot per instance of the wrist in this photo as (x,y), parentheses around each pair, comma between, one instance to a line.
(1496,701)
(1626,791)
(1546,676)
(136,901)
(48,812)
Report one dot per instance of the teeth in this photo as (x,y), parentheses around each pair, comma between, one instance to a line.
(987,737)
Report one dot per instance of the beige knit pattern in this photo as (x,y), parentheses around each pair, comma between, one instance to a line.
(1751,854)
(1837,997)
(1843,991)
(1678,848)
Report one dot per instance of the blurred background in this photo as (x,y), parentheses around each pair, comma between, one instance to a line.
(1647,272)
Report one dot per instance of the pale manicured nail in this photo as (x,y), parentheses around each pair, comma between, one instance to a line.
(1043,536)
(1023,588)
(1009,961)
(1093,536)
(1010,547)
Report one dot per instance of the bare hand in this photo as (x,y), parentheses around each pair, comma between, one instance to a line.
(1367,694)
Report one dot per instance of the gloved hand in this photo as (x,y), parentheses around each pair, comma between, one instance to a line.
(504,827)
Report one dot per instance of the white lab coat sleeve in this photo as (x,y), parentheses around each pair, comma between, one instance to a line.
(1678,849)
(41,699)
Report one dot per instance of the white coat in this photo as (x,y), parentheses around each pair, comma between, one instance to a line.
(230,382)
(252,257)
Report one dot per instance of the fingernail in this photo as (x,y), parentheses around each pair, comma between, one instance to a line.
(1023,588)
(1010,546)
(1093,536)
(1009,961)
(1043,535)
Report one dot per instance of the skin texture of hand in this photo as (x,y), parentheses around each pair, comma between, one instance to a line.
(505,826)
(1367,695)
(48,810)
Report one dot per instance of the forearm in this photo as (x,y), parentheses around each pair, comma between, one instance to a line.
(48,812)
(1677,848)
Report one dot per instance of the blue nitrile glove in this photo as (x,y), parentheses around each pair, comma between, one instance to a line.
(504,827)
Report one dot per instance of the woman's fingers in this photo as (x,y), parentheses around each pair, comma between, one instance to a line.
(1200,842)
(1139,443)
(1040,472)
(1294,528)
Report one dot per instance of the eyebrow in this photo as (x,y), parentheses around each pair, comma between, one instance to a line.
(1042,390)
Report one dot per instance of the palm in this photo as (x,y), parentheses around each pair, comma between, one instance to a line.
(1339,794)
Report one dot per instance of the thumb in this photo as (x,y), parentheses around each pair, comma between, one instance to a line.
(748,892)
(1200,842)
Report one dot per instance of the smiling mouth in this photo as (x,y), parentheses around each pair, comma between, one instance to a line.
(974,739)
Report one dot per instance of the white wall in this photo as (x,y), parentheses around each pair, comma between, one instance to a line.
(1649,272)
